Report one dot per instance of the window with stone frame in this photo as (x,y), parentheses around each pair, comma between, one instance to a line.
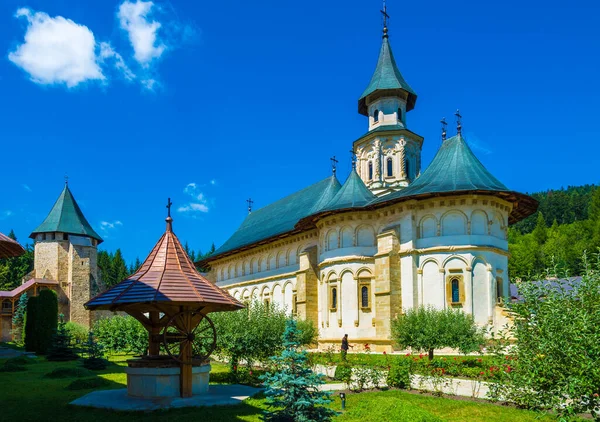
(370,170)
(390,167)
(333,298)
(364,293)
(455,290)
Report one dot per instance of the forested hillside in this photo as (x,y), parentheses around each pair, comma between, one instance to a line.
(567,224)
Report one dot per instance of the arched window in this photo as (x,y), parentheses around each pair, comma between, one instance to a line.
(364,297)
(499,292)
(455,291)
(390,167)
(407,168)
(376,116)
(333,299)
(370,170)
(399,114)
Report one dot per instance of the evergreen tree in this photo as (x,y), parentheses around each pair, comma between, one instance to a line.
(540,233)
(30,320)
(19,318)
(94,359)
(119,267)
(46,320)
(293,389)
(61,349)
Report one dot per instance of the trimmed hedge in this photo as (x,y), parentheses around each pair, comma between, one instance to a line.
(41,321)
(30,319)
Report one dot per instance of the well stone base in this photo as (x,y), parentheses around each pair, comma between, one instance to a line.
(164,382)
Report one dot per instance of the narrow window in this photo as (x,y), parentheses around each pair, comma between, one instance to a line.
(399,114)
(370,170)
(455,291)
(390,168)
(376,116)
(407,168)
(333,298)
(364,292)
(499,294)
(295,304)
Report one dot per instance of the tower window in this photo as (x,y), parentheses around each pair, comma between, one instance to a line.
(370,170)
(399,114)
(376,116)
(364,296)
(407,168)
(390,167)
(333,305)
(455,291)
(499,293)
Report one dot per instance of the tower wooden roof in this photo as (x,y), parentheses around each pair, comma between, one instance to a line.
(166,279)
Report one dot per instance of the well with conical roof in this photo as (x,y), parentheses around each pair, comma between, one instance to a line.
(171,299)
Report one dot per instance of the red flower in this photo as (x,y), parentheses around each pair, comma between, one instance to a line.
(454,358)
(508,368)
(421,356)
(408,354)
(250,372)
(595,394)
(384,352)
(481,373)
(479,360)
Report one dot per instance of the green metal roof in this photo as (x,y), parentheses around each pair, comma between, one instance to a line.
(386,77)
(281,216)
(453,169)
(352,194)
(66,217)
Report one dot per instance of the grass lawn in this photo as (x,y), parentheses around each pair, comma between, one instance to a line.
(31,396)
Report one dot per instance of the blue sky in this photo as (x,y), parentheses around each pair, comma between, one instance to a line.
(211,103)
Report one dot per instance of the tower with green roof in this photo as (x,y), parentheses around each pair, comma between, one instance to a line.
(66,252)
(389,154)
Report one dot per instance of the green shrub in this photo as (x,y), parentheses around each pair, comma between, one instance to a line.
(78,332)
(69,373)
(12,367)
(308,332)
(94,359)
(399,374)
(30,319)
(61,349)
(343,373)
(46,320)
(121,334)
(20,360)
(87,383)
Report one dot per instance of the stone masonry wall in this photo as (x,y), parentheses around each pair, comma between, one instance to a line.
(307,286)
(82,268)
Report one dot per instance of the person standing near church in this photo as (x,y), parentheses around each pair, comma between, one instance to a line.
(345,346)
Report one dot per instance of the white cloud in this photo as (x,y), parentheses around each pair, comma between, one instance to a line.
(56,50)
(107,53)
(143,33)
(107,225)
(477,144)
(198,203)
(26,187)
(5,214)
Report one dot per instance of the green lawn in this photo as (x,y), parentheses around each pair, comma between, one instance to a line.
(31,396)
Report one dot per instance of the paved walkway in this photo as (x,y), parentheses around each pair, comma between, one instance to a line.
(119,400)
(7,353)
(453,386)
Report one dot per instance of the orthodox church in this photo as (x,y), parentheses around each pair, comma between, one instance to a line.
(352,256)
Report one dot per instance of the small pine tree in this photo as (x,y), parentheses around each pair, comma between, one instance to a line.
(18,320)
(95,353)
(61,349)
(293,389)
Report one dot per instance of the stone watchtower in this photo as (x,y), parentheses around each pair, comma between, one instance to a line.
(66,251)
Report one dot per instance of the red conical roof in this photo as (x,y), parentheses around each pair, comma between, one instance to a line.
(167,278)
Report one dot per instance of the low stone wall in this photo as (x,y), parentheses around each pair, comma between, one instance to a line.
(164,382)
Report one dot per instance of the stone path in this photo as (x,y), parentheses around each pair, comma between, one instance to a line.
(119,400)
(453,386)
(7,353)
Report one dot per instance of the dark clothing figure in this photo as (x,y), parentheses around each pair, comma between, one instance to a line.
(344,347)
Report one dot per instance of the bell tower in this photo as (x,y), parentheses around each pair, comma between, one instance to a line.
(66,252)
(389,154)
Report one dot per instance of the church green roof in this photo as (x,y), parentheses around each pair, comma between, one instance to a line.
(66,217)
(454,169)
(387,76)
(352,194)
(281,216)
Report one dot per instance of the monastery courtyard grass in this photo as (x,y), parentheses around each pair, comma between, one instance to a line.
(31,396)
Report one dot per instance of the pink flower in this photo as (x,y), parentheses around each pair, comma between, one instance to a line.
(250,372)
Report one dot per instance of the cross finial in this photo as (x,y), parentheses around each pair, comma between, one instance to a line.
(334,164)
(458,122)
(250,202)
(444,124)
(353,158)
(169,203)
(385,18)
(66,180)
